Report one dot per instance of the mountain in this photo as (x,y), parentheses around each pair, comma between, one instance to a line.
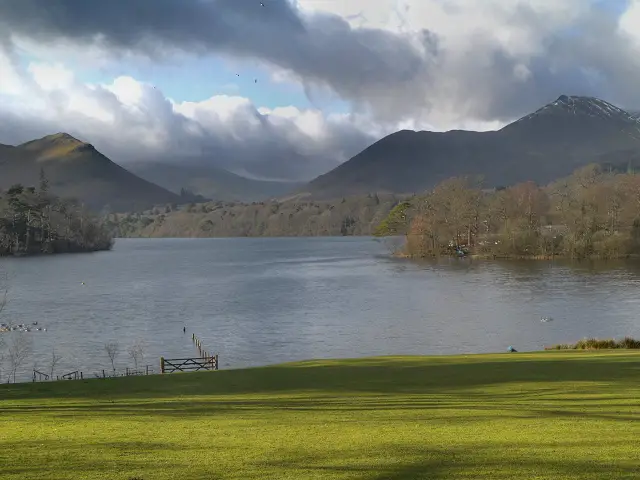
(211,182)
(549,143)
(77,170)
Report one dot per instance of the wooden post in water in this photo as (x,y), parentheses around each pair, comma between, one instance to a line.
(161,364)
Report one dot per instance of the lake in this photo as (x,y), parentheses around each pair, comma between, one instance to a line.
(264,301)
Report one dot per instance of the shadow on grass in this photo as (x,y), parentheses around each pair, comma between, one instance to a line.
(473,462)
(496,460)
(442,413)
(377,376)
(128,459)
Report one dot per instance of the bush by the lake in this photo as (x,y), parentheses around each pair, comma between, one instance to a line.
(598,344)
(34,221)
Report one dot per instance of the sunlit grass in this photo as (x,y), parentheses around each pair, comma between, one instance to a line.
(555,415)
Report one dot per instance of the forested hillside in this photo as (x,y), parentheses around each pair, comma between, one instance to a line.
(347,216)
(593,213)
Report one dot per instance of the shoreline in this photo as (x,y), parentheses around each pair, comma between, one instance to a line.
(402,255)
(65,252)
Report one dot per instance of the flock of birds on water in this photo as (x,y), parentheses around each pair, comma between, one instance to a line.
(21,327)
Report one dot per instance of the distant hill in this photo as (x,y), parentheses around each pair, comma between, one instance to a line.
(547,144)
(211,182)
(77,170)
(349,216)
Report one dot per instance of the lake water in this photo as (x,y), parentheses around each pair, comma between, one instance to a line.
(264,301)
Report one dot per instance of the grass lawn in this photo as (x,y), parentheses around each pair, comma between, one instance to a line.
(551,415)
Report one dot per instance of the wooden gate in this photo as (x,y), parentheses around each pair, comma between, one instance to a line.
(171,365)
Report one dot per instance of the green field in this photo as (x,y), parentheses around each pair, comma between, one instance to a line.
(552,415)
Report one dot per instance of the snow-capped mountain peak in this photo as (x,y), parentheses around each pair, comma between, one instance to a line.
(587,106)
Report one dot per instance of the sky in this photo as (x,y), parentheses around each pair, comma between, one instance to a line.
(291,89)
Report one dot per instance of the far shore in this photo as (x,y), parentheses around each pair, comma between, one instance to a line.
(405,255)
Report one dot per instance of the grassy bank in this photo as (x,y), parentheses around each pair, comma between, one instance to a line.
(569,415)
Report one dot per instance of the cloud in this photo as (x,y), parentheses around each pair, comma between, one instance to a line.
(129,121)
(440,62)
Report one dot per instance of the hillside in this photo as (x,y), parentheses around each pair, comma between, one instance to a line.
(549,143)
(210,182)
(591,214)
(76,169)
(348,216)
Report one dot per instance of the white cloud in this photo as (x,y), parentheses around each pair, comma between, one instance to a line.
(10,82)
(51,77)
(630,21)
(132,120)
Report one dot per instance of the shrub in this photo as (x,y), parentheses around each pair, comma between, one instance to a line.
(597,344)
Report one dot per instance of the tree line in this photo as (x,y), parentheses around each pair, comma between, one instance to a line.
(357,215)
(34,221)
(592,213)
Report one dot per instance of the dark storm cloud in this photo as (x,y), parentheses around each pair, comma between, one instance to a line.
(322,48)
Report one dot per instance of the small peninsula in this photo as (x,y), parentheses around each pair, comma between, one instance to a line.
(592,214)
(32,221)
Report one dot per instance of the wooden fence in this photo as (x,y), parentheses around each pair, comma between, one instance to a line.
(205,361)
(39,376)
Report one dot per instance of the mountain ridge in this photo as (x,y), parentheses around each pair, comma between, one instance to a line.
(211,182)
(75,169)
(549,143)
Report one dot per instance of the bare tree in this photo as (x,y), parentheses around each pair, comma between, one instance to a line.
(18,351)
(136,352)
(4,292)
(3,299)
(55,358)
(112,349)
(2,346)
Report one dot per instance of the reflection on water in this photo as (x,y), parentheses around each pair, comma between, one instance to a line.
(260,301)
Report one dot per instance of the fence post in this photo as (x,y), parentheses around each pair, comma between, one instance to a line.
(147,369)
(81,377)
(216,357)
(161,364)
